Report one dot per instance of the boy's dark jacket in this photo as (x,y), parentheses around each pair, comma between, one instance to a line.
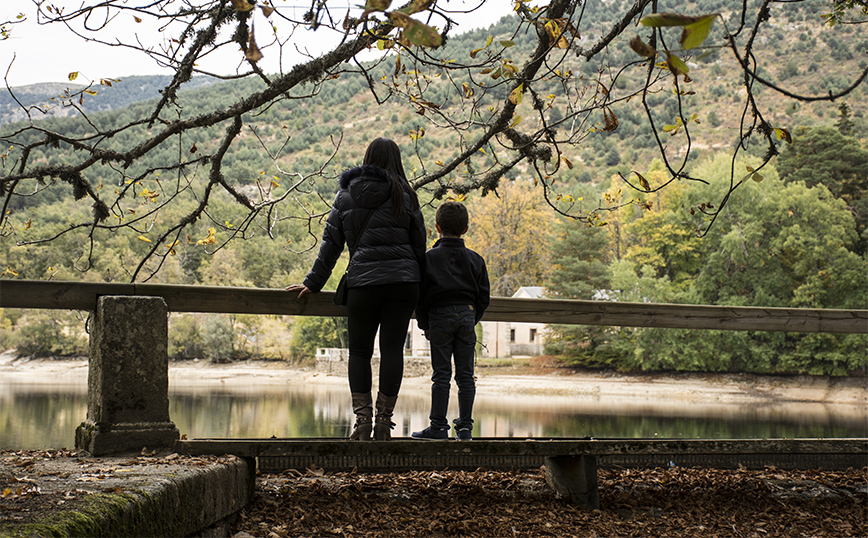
(392,249)
(454,275)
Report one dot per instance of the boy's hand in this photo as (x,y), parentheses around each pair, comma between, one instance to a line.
(300,288)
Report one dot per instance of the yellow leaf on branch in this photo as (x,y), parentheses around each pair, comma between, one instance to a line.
(242,5)
(517,95)
(643,182)
(783,134)
(210,240)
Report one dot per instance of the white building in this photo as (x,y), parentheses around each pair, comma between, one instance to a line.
(515,339)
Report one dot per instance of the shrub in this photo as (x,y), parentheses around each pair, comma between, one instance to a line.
(6,334)
(43,333)
(218,338)
(311,332)
(185,341)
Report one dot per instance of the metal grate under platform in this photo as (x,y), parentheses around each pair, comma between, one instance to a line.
(397,462)
(401,454)
(400,463)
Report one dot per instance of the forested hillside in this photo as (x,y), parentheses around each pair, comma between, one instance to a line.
(795,236)
(347,107)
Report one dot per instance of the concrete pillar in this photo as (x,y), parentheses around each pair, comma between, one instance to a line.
(574,477)
(128,378)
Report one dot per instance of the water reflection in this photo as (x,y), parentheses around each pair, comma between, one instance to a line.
(36,417)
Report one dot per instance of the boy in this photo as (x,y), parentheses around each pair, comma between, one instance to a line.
(455,293)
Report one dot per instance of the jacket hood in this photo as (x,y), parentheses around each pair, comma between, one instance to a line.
(368,185)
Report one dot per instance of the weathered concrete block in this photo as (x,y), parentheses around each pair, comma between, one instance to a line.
(128,378)
(166,496)
(574,477)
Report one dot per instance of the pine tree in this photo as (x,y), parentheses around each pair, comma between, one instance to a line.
(580,271)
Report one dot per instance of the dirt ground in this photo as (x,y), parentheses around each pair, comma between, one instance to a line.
(673,503)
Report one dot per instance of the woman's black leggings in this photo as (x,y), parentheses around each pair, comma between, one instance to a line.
(388,308)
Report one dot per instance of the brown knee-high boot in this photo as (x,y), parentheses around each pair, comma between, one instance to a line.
(363,408)
(383,424)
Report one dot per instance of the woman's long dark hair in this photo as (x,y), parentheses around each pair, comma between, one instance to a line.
(384,153)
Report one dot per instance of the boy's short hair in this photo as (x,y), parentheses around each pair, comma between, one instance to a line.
(452,218)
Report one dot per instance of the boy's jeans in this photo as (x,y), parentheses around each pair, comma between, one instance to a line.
(452,334)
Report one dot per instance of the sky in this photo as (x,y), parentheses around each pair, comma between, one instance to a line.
(49,53)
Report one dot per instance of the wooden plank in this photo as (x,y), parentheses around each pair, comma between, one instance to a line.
(233,300)
(516,447)
(58,295)
(83,295)
(678,316)
(61,295)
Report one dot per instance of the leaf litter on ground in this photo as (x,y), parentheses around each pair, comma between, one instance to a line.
(675,502)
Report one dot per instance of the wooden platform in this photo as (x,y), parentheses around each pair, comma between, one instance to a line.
(570,464)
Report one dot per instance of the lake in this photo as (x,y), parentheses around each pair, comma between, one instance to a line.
(37,416)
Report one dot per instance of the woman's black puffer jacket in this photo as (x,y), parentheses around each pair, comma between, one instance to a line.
(391,250)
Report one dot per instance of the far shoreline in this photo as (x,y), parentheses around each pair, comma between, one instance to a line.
(533,377)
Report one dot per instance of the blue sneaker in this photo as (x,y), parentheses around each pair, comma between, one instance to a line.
(463,434)
(431,433)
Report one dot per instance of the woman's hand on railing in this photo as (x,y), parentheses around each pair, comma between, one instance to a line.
(300,288)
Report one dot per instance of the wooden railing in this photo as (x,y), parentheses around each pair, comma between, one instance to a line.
(183,298)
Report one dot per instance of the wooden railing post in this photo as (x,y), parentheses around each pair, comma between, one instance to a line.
(128,378)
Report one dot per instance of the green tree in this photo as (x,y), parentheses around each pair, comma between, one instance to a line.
(185,336)
(766,252)
(844,123)
(824,155)
(790,69)
(580,270)
(312,332)
(44,333)
(579,260)
(664,238)
(218,338)
(224,268)
(713,119)
(613,157)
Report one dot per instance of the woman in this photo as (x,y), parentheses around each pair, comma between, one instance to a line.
(383,277)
